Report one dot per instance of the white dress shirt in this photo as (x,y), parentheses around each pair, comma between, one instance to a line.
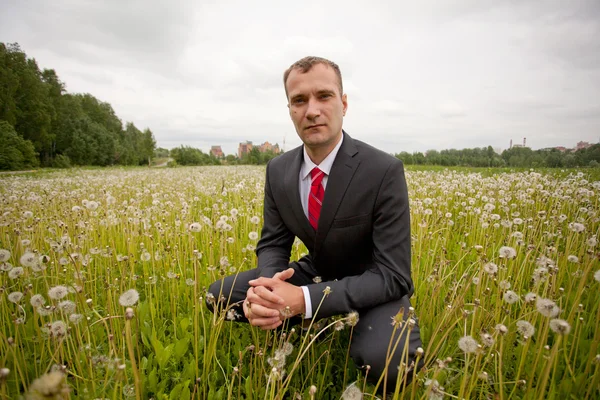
(305,182)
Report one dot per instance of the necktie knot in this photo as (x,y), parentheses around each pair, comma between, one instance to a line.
(316,176)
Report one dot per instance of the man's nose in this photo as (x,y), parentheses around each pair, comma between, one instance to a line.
(313,110)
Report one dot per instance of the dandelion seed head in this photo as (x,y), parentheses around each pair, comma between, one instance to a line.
(16,272)
(287,348)
(255,220)
(129,298)
(525,328)
(576,227)
(487,339)
(510,297)
(504,285)
(530,297)
(468,344)
(560,326)
(195,227)
(37,300)
(501,329)
(67,306)
(352,318)
(507,252)
(58,328)
(352,392)
(145,256)
(490,268)
(597,276)
(547,307)
(4,255)
(58,292)
(15,297)
(28,260)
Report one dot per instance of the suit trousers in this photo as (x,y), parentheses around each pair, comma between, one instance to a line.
(371,336)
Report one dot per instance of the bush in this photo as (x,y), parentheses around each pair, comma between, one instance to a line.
(61,161)
(172,164)
(594,164)
(15,153)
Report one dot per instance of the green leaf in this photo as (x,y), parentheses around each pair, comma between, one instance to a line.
(184,323)
(153,381)
(181,347)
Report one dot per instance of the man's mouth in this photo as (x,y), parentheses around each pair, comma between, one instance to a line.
(314,126)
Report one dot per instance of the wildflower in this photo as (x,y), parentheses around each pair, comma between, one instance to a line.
(327,290)
(5,266)
(190,282)
(530,297)
(75,318)
(4,255)
(475,280)
(58,328)
(468,344)
(547,308)
(352,318)
(573,259)
(487,339)
(490,268)
(253,235)
(560,326)
(15,297)
(15,272)
(317,279)
(145,256)
(57,292)
(504,285)
(52,385)
(501,329)
(311,391)
(339,325)
(255,220)
(67,306)
(129,298)
(436,392)
(171,275)
(44,311)
(195,227)
(37,300)
(507,252)
(129,313)
(352,392)
(525,328)
(576,227)
(232,315)
(28,260)
(596,275)
(511,297)
(287,348)
(592,242)
(539,275)
(224,262)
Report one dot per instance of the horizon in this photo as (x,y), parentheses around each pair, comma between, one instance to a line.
(419,76)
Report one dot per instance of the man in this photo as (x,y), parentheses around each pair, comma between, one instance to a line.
(348,203)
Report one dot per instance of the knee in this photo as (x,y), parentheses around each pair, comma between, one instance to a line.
(213,295)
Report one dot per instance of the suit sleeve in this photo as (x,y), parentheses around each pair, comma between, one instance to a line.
(389,277)
(275,244)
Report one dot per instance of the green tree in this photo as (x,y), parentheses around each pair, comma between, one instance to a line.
(15,153)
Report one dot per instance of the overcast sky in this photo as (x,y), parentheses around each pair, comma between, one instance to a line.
(418,74)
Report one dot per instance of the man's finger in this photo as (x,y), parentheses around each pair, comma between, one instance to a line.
(285,275)
(259,311)
(265,323)
(268,282)
(272,326)
(267,295)
(254,297)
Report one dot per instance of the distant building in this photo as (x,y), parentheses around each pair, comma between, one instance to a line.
(582,145)
(216,151)
(562,149)
(518,145)
(266,146)
(247,146)
(244,148)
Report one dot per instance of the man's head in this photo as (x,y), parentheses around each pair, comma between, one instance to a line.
(317,104)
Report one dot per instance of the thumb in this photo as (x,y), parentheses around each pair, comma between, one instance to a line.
(287,274)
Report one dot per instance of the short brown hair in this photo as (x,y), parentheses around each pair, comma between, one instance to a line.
(305,64)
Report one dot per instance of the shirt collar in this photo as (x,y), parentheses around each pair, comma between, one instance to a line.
(326,164)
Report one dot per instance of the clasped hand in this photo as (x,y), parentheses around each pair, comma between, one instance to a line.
(269,301)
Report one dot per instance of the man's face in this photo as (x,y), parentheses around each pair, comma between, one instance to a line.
(316,106)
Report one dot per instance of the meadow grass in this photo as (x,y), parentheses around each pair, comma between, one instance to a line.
(103,275)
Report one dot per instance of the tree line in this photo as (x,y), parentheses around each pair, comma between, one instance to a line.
(43,125)
(186,155)
(513,157)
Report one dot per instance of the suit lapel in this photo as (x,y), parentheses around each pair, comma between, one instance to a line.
(292,190)
(341,174)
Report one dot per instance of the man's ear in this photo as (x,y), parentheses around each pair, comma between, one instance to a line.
(345,102)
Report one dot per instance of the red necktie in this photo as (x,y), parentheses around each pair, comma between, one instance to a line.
(315,198)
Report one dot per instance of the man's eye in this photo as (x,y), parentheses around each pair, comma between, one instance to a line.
(298,101)
(325,96)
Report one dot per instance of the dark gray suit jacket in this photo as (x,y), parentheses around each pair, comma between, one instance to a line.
(361,248)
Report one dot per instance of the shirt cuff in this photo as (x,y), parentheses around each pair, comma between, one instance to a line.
(307,303)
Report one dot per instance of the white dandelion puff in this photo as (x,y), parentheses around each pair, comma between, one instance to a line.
(37,300)
(510,297)
(507,252)
(530,297)
(468,344)
(58,329)
(525,328)
(576,227)
(352,392)
(15,297)
(573,259)
(16,272)
(4,255)
(145,256)
(560,326)
(547,307)
(75,318)
(67,307)
(28,260)
(129,298)
(490,268)
(58,292)
(596,275)
(487,339)
(255,220)
(195,227)
(253,235)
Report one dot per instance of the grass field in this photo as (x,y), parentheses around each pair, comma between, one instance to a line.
(104,275)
